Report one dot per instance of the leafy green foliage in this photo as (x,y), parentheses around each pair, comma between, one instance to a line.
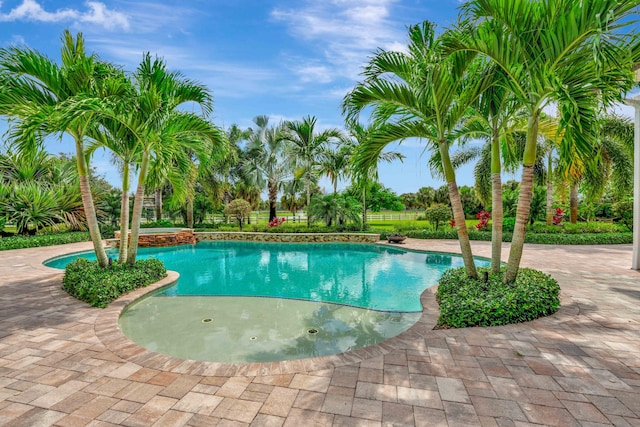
(239,209)
(161,223)
(438,213)
(335,209)
(21,242)
(624,212)
(508,224)
(545,239)
(468,302)
(380,198)
(88,282)
(578,228)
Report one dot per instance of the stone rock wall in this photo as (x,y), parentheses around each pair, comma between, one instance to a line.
(183,237)
(289,237)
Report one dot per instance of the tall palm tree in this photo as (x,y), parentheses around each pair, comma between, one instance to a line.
(571,52)
(419,94)
(163,132)
(265,159)
(306,146)
(35,89)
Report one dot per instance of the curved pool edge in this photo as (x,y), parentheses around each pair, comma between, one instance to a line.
(107,329)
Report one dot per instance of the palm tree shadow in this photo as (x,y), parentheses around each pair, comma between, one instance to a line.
(632,293)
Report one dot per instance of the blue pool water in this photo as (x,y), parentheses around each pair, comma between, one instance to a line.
(367,276)
(265,302)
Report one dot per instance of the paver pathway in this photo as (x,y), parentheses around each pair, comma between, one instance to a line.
(64,363)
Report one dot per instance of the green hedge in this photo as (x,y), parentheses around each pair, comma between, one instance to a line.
(547,239)
(467,302)
(88,282)
(20,242)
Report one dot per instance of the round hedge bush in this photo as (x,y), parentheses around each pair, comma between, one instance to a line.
(468,302)
(88,282)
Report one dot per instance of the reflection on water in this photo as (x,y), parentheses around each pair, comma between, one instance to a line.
(244,329)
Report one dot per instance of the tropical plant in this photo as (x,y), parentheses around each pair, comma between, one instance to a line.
(264,161)
(419,94)
(39,190)
(48,98)
(305,146)
(365,174)
(335,209)
(334,162)
(168,138)
(570,52)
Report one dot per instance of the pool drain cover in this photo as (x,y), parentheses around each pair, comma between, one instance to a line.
(207,320)
(312,331)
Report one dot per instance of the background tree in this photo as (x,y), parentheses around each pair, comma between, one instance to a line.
(438,213)
(238,209)
(265,161)
(305,146)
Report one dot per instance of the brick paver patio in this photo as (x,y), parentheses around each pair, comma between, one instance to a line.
(64,363)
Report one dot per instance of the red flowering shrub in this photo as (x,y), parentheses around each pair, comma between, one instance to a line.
(558,216)
(276,222)
(483,216)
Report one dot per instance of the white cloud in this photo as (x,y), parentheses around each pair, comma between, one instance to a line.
(344,32)
(97,13)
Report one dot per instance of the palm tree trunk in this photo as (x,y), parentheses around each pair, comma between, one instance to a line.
(190,211)
(364,205)
(573,203)
(550,190)
(273,199)
(124,216)
(524,201)
(308,185)
(137,210)
(89,208)
(496,205)
(158,200)
(458,212)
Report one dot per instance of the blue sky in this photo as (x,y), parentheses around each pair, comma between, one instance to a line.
(285,59)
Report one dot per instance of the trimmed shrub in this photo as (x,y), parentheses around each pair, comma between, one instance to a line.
(545,239)
(21,242)
(468,302)
(88,282)
(161,223)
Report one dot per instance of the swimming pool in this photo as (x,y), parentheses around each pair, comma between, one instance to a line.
(249,301)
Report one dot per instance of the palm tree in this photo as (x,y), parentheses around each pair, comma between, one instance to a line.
(364,173)
(611,162)
(36,89)
(419,94)
(265,159)
(570,52)
(118,138)
(165,135)
(305,146)
(334,163)
(218,179)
